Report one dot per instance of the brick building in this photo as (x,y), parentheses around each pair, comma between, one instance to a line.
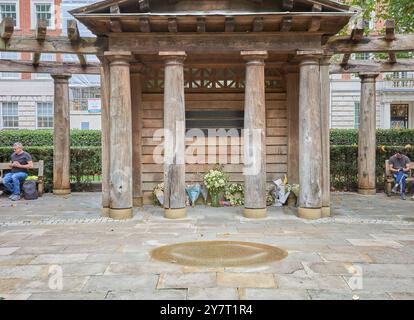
(26,100)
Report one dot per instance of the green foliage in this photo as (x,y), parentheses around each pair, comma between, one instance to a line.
(344,166)
(85,164)
(79,138)
(387,137)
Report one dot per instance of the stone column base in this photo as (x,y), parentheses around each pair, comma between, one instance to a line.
(310,213)
(120,214)
(326,212)
(105,212)
(61,192)
(175,213)
(138,201)
(255,213)
(367,192)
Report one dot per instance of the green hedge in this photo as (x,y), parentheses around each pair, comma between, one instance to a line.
(85,164)
(79,138)
(344,166)
(89,138)
(387,137)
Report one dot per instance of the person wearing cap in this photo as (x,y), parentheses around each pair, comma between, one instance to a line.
(400,167)
(20,162)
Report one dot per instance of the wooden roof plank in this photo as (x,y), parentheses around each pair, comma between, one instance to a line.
(358,66)
(48,67)
(6,28)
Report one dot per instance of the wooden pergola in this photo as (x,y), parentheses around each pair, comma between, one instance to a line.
(269,59)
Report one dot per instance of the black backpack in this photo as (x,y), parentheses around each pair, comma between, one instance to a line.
(30,190)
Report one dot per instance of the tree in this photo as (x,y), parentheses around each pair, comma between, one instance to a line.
(402,11)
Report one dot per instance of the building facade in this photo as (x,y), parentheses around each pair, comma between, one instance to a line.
(26,100)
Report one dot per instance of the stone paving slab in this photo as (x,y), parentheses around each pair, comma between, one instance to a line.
(213,294)
(105,259)
(246,280)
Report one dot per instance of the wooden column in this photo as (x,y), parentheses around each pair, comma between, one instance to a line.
(105,119)
(255,135)
(120,138)
(137,114)
(292,92)
(61,135)
(310,144)
(367,135)
(325,133)
(174,126)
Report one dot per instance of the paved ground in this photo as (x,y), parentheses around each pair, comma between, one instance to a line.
(59,248)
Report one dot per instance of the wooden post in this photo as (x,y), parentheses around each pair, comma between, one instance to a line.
(105,119)
(61,135)
(255,135)
(137,114)
(120,138)
(310,144)
(325,133)
(292,92)
(367,135)
(174,127)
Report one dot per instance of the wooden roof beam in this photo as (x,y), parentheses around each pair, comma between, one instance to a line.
(41,31)
(287,5)
(358,31)
(48,67)
(6,28)
(345,58)
(258,25)
(230,24)
(56,44)
(390,36)
(144,25)
(115,9)
(172,25)
(390,30)
(360,66)
(314,24)
(74,37)
(201,24)
(342,44)
(286,24)
(144,5)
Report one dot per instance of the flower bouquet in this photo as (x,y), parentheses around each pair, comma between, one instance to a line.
(235,194)
(193,192)
(215,181)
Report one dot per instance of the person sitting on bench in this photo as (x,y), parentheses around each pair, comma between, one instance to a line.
(399,166)
(20,162)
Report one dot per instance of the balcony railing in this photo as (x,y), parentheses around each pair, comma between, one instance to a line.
(402,82)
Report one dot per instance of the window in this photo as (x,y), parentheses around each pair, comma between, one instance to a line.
(10,9)
(84,125)
(44,115)
(363,56)
(356,115)
(10,114)
(79,97)
(11,56)
(43,9)
(399,116)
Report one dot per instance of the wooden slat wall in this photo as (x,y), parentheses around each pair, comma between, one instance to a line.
(276,115)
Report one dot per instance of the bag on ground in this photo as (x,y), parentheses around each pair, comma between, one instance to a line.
(30,190)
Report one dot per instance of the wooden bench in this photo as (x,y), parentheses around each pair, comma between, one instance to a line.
(389,179)
(39,166)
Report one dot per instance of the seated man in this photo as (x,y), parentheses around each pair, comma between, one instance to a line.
(399,166)
(20,162)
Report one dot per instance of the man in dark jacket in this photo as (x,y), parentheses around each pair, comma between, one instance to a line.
(20,162)
(400,167)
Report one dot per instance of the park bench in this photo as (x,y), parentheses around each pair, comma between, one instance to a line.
(389,179)
(39,166)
